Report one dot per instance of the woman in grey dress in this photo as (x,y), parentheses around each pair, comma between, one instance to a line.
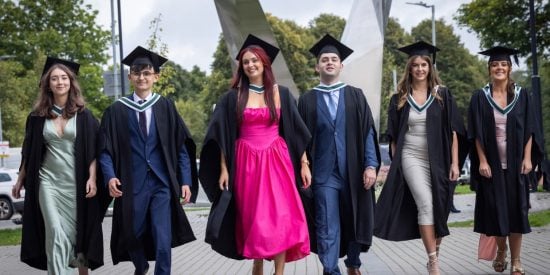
(422,130)
(58,170)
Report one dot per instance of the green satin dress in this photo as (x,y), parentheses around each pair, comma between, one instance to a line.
(57,196)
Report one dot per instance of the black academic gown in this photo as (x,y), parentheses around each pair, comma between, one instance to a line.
(223,131)
(396,211)
(358,123)
(114,138)
(89,238)
(502,204)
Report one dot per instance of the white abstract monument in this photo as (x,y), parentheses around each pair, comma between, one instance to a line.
(239,18)
(364,33)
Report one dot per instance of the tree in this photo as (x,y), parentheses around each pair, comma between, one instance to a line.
(163,86)
(62,28)
(32,29)
(187,84)
(15,99)
(219,80)
(293,41)
(506,22)
(327,24)
(195,120)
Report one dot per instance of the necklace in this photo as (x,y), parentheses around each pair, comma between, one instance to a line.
(259,89)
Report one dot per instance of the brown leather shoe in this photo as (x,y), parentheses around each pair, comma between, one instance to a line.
(353,271)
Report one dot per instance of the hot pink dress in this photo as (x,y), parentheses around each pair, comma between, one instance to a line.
(270,217)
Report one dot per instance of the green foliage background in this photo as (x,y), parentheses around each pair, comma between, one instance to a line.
(31,30)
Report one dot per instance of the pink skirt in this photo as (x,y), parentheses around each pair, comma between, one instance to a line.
(270,216)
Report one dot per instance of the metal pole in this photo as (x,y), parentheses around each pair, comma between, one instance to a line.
(433,24)
(121,51)
(1,133)
(535,78)
(113,45)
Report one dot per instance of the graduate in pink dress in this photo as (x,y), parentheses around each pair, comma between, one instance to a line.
(253,166)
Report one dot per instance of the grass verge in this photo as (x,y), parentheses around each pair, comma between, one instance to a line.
(10,237)
(536,219)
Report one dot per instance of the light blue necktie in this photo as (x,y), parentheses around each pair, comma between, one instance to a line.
(332,103)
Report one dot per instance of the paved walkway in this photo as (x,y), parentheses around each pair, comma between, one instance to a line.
(458,252)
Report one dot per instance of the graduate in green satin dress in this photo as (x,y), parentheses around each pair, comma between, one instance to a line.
(62,220)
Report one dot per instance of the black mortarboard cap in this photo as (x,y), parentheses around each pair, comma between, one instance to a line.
(269,49)
(500,53)
(142,56)
(329,44)
(50,61)
(420,48)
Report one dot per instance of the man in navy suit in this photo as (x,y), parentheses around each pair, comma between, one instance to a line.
(344,160)
(148,160)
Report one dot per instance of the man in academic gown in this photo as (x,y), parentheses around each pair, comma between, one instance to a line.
(344,158)
(148,159)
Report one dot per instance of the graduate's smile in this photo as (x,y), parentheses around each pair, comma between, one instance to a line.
(143,80)
(329,65)
(59,82)
(420,68)
(499,70)
(252,65)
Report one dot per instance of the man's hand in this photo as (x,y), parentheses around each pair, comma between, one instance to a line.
(185,194)
(114,191)
(369,178)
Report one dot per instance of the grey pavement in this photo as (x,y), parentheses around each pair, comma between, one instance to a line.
(458,252)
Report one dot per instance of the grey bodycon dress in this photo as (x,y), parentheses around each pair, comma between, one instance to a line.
(416,166)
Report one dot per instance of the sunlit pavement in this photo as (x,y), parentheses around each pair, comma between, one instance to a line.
(457,256)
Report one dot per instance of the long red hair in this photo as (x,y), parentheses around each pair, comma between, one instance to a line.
(241,83)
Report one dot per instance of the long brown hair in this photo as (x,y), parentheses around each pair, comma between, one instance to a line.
(405,84)
(241,83)
(75,101)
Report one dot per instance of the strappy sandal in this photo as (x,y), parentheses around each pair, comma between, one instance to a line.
(502,264)
(433,264)
(516,269)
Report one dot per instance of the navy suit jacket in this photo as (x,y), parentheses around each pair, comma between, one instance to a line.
(332,134)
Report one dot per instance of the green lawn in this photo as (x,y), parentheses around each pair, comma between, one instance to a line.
(10,237)
(536,219)
(462,189)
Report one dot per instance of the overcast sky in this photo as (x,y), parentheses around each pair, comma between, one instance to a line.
(191,27)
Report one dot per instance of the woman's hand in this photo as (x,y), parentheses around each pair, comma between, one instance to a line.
(485,170)
(306,175)
(526,166)
(16,189)
(91,188)
(454,172)
(224,179)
